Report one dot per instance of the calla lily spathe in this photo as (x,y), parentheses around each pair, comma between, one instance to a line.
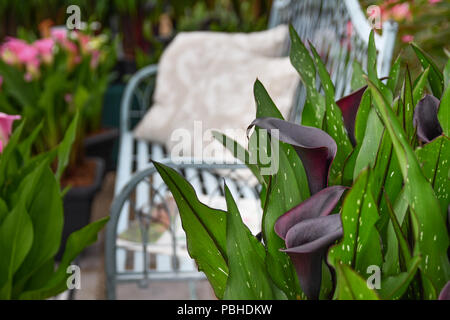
(6,122)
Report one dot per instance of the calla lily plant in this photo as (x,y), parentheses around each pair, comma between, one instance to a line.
(358,208)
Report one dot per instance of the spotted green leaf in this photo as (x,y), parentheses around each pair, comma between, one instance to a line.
(205,229)
(394,287)
(430,232)
(333,122)
(360,245)
(434,158)
(351,286)
(314,109)
(435,77)
(248,277)
(444,112)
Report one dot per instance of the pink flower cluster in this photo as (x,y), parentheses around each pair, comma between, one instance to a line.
(20,53)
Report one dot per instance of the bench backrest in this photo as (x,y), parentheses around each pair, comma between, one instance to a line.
(340,32)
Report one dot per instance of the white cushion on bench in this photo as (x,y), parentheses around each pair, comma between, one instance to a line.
(209,77)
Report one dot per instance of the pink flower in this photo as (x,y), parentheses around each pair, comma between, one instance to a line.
(68,97)
(59,34)
(45,49)
(433,1)
(16,51)
(401,11)
(95,59)
(398,12)
(11,49)
(407,38)
(6,122)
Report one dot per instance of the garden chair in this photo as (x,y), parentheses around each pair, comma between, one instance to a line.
(139,190)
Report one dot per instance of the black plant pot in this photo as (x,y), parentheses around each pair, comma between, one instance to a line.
(103,145)
(77,205)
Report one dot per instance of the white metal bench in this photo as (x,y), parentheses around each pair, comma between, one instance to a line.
(139,189)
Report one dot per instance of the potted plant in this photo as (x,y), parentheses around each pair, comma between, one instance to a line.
(50,80)
(31,215)
(359,204)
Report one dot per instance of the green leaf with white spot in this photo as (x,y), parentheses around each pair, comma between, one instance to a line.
(394,75)
(406,113)
(429,229)
(248,277)
(280,199)
(205,229)
(434,159)
(419,86)
(333,122)
(435,77)
(314,109)
(239,152)
(360,245)
(351,286)
(370,144)
(444,112)
(394,287)
(357,76)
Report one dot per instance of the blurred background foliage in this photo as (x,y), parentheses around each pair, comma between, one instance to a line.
(145,26)
(424,22)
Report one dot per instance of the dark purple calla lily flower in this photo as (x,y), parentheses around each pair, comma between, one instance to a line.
(445,292)
(315,148)
(349,106)
(426,119)
(308,230)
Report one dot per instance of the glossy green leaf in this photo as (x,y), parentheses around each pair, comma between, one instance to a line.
(357,76)
(407,112)
(391,266)
(265,107)
(400,237)
(360,245)
(394,75)
(8,164)
(446,74)
(429,225)
(40,192)
(386,179)
(16,238)
(248,277)
(434,159)
(394,287)
(279,200)
(76,243)
(205,229)
(240,153)
(288,187)
(66,146)
(314,109)
(370,144)
(350,285)
(360,130)
(420,86)
(285,158)
(435,77)
(334,123)
(444,112)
